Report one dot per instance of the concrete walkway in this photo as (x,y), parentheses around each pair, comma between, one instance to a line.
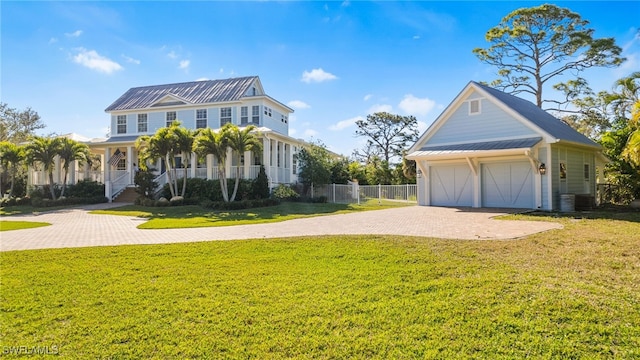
(77,228)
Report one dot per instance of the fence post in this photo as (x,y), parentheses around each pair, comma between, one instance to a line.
(379,192)
(358,192)
(407,197)
(334,192)
(312,190)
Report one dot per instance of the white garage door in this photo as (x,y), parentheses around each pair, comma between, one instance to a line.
(451,185)
(508,185)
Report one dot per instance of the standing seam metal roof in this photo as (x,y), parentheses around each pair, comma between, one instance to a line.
(487,145)
(195,92)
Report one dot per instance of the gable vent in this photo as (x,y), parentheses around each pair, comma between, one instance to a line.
(474,107)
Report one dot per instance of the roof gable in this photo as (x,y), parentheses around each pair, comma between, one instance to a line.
(195,92)
(540,118)
(522,118)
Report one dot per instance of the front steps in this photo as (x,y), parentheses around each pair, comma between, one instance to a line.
(129,195)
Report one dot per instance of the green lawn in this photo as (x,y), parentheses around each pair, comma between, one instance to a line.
(196,216)
(570,293)
(19,225)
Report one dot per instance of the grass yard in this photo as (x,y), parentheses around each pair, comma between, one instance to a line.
(19,225)
(196,216)
(570,293)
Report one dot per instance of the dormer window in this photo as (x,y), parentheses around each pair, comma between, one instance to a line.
(474,107)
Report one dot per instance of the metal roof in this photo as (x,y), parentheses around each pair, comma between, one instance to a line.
(487,145)
(195,92)
(547,122)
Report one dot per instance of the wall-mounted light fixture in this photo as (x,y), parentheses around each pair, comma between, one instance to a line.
(542,169)
(419,173)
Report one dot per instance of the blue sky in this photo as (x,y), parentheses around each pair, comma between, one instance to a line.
(333,62)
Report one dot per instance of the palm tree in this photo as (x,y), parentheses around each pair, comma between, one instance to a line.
(11,155)
(625,101)
(215,143)
(70,151)
(184,139)
(159,145)
(625,95)
(631,150)
(43,151)
(241,141)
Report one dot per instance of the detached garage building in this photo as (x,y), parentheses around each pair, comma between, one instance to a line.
(492,149)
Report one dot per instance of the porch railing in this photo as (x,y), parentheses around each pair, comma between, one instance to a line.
(119,183)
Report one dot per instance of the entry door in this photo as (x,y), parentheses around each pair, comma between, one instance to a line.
(508,185)
(451,185)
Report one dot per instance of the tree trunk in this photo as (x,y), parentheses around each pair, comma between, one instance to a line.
(223,183)
(235,185)
(53,193)
(64,183)
(169,178)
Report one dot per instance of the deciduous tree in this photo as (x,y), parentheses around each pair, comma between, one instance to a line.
(387,135)
(532,46)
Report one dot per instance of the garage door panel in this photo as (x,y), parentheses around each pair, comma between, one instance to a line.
(451,185)
(507,185)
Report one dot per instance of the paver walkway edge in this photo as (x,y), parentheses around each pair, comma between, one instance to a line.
(77,228)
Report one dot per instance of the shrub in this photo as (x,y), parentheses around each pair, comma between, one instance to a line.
(260,186)
(286,193)
(210,189)
(145,184)
(85,189)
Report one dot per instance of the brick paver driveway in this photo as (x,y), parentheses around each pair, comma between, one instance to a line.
(77,228)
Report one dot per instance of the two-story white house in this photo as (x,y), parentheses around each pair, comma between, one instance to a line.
(198,104)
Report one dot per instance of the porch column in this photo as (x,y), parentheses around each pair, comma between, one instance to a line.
(274,160)
(106,166)
(107,173)
(130,164)
(56,170)
(227,165)
(290,163)
(194,164)
(247,164)
(266,158)
(209,166)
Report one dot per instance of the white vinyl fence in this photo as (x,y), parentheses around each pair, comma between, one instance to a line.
(355,194)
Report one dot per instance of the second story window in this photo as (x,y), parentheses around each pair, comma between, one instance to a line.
(255,114)
(142,123)
(201,118)
(171,117)
(121,124)
(225,115)
(244,115)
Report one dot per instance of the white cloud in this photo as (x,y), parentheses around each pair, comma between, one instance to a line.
(76,33)
(94,61)
(184,64)
(416,106)
(380,108)
(367,97)
(172,55)
(53,40)
(341,125)
(416,37)
(202,79)
(317,75)
(422,127)
(298,104)
(345,3)
(310,133)
(292,132)
(131,60)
